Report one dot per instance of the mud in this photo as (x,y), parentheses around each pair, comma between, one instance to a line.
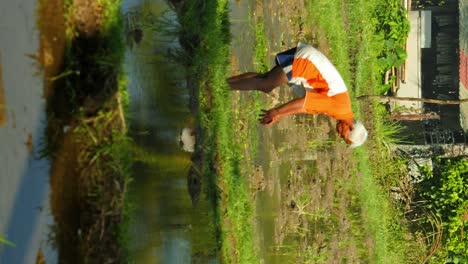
(52,41)
(62,149)
(87,17)
(64,203)
(29,143)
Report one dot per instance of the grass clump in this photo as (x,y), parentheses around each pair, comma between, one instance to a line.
(86,124)
(261,48)
(444,191)
(206,40)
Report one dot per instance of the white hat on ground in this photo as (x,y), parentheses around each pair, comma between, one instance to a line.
(358,135)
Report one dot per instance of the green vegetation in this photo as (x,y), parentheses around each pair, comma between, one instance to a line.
(261,48)
(6,242)
(393,30)
(359,48)
(362,72)
(89,99)
(260,65)
(221,157)
(445,192)
(365,40)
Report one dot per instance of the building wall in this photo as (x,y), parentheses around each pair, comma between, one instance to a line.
(411,85)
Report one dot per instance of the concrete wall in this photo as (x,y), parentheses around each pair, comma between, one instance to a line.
(419,37)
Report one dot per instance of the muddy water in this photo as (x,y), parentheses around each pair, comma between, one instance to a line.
(24,186)
(166,227)
(278,155)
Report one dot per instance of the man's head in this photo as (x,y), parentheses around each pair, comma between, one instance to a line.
(353,132)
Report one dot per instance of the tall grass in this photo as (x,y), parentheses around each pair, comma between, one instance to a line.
(93,70)
(261,65)
(209,67)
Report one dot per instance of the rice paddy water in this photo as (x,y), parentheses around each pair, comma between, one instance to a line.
(166,228)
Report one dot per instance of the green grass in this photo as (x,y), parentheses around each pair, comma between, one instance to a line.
(327,17)
(94,74)
(384,221)
(261,65)
(355,50)
(261,45)
(209,65)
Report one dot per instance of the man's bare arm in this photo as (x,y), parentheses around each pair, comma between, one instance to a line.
(269,117)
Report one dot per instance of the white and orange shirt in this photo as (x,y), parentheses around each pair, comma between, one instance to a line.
(325,90)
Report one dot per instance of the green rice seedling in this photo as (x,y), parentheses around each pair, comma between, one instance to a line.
(387,132)
(3,240)
(261,48)
(98,132)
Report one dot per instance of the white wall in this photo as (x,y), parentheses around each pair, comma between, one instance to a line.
(418,38)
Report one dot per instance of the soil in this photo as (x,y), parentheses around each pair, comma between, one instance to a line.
(313,200)
(29,143)
(52,41)
(87,17)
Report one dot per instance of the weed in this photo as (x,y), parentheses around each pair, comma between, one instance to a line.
(445,189)
(90,103)
(261,48)
(3,240)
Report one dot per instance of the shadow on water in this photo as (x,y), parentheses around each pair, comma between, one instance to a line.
(169,228)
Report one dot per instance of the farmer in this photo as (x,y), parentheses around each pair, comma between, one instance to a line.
(320,88)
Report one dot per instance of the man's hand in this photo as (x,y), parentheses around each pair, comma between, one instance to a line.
(268,117)
(343,127)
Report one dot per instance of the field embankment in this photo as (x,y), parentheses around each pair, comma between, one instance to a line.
(81,57)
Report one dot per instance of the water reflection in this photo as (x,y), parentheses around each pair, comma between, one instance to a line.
(166,227)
